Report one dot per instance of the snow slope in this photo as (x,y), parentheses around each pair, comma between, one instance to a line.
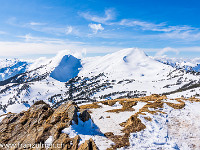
(11,67)
(126,73)
(67,69)
(184,63)
(169,129)
(127,63)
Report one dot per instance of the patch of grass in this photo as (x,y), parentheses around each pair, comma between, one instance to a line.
(176,106)
(90,106)
(154,105)
(148,118)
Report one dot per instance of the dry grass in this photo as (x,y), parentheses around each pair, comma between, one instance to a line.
(109,102)
(126,106)
(134,124)
(90,106)
(119,140)
(148,118)
(176,106)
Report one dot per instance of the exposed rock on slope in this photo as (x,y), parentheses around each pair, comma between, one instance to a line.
(37,124)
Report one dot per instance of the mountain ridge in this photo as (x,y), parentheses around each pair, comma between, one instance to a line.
(127,73)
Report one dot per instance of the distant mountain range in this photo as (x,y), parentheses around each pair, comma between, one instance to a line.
(128,73)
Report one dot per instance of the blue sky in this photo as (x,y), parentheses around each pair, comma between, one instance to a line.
(33,28)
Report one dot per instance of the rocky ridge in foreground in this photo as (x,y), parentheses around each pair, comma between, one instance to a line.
(30,129)
(111,124)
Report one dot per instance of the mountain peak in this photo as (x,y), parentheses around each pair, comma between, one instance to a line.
(67,68)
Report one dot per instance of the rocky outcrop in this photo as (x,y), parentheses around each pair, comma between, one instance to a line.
(34,126)
(88,145)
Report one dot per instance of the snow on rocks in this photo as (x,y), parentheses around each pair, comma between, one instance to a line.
(87,130)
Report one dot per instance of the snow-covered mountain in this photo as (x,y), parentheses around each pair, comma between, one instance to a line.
(10,68)
(181,63)
(126,73)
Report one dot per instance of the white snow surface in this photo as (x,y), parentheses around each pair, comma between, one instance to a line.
(111,124)
(87,130)
(68,68)
(49,140)
(2,117)
(127,63)
(147,76)
(177,129)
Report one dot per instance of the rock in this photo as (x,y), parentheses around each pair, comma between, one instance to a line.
(67,111)
(63,142)
(76,142)
(84,115)
(133,124)
(88,145)
(109,134)
(101,117)
(40,121)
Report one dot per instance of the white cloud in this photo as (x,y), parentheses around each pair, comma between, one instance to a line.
(165,50)
(136,24)
(57,30)
(33,46)
(186,36)
(109,15)
(36,23)
(42,27)
(34,39)
(30,38)
(153,27)
(69,30)
(3,32)
(96,27)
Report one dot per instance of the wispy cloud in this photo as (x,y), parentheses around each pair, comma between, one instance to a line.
(36,23)
(29,38)
(44,27)
(96,27)
(188,35)
(110,19)
(57,30)
(165,50)
(143,25)
(109,15)
(69,30)
(3,32)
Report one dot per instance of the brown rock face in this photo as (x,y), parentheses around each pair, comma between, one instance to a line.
(88,145)
(84,115)
(34,126)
